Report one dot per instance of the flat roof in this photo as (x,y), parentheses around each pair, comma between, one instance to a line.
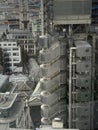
(81,43)
(18,78)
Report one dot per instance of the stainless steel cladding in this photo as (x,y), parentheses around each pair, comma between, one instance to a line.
(80,84)
(53,53)
(54,68)
(83,82)
(72,11)
(53,82)
(50,112)
(83,67)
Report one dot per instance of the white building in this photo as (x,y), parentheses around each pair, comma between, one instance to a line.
(12,55)
(25,39)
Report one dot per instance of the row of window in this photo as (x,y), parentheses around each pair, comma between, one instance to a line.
(9,54)
(29,46)
(8,59)
(10,64)
(9,49)
(8,44)
(22,37)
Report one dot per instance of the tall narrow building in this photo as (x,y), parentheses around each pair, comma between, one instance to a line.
(53,82)
(66,84)
(80,97)
(24,14)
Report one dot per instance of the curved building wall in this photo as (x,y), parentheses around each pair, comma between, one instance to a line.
(53,83)
(56,51)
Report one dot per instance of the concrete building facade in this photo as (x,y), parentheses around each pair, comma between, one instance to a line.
(12,55)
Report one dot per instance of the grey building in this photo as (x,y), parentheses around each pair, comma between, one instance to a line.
(80,94)
(70,22)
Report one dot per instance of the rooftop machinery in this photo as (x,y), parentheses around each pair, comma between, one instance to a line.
(72,12)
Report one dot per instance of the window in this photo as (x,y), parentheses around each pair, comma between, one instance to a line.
(8,49)
(16,59)
(87,50)
(16,64)
(30,46)
(86,66)
(86,81)
(9,54)
(5,49)
(8,64)
(15,48)
(15,54)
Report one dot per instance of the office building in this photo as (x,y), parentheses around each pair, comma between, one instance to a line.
(71,22)
(12,55)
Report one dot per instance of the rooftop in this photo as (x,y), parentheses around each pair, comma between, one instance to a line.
(82,44)
(7,100)
(18,78)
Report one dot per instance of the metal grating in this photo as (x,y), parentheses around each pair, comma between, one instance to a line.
(72,10)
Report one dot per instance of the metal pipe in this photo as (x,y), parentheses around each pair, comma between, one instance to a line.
(42,17)
(70,83)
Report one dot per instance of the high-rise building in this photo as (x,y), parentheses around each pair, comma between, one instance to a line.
(66,75)
(71,22)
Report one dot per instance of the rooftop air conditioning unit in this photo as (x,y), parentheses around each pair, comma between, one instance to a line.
(57,123)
